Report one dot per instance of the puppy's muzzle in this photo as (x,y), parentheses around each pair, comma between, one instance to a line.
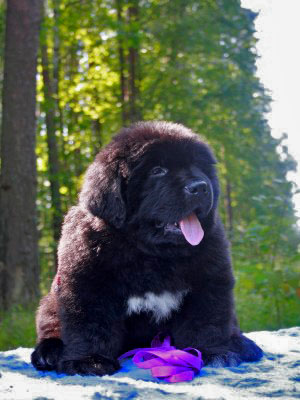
(196,188)
(197,191)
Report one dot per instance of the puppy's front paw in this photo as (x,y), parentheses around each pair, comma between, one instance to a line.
(227,359)
(246,348)
(92,365)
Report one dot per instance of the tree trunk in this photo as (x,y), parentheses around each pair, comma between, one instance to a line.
(53,163)
(56,51)
(19,268)
(96,136)
(133,64)
(229,210)
(122,64)
(56,67)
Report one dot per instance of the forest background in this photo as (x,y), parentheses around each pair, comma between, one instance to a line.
(103,64)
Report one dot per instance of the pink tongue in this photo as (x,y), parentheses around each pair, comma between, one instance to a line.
(192,229)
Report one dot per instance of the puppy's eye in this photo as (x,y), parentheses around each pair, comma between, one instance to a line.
(159,171)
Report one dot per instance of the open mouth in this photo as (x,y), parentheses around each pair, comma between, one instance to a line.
(190,227)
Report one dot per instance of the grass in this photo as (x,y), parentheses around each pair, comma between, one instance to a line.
(17,328)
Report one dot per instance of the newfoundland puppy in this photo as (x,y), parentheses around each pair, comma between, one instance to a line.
(144,252)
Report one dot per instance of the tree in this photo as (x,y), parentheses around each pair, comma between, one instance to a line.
(19,268)
(51,108)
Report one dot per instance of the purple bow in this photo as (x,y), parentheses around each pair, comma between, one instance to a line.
(166,362)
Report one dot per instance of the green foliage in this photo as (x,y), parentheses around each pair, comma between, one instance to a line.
(267,272)
(17,328)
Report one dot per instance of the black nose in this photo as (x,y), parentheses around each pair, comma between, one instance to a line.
(196,187)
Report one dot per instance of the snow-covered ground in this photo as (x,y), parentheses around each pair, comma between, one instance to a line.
(276,375)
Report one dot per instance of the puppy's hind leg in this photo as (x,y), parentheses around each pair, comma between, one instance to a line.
(47,353)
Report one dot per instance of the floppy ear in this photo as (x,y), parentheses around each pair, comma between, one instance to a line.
(101,193)
(207,154)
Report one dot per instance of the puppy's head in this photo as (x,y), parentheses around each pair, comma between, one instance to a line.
(157,181)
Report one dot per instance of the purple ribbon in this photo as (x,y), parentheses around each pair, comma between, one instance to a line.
(166,362)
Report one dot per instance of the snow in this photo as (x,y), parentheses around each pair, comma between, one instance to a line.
(276,375)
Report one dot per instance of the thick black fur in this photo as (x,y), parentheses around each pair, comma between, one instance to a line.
(114,245)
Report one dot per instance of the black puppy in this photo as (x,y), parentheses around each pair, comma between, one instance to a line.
(143,252)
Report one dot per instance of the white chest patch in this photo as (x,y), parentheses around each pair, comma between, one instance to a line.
(161,305)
